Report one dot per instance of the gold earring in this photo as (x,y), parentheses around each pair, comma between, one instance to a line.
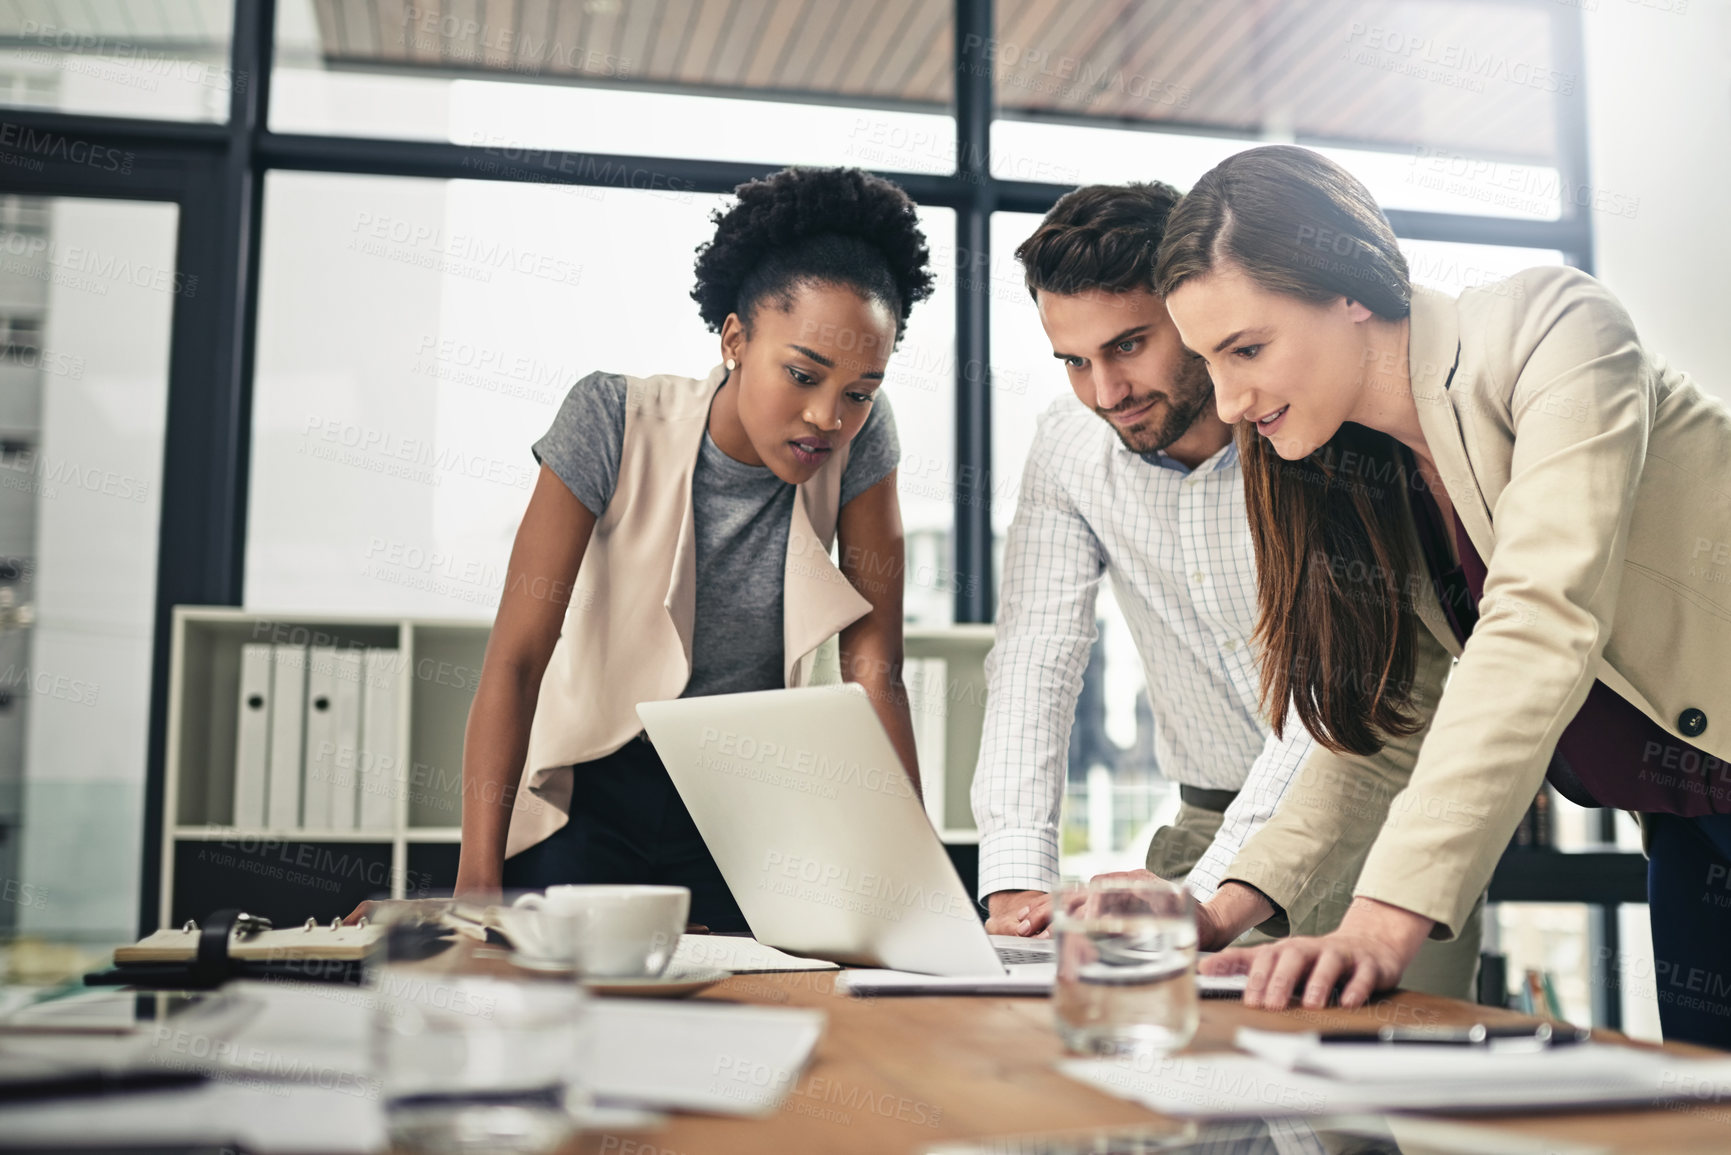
(731,364)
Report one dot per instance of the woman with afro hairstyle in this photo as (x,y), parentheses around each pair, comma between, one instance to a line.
(678,542)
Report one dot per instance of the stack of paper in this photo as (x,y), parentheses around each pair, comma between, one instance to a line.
(1296,1074)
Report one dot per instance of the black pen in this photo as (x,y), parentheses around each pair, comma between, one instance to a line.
(1477,1035)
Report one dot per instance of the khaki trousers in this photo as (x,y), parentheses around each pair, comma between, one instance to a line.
(1441,968)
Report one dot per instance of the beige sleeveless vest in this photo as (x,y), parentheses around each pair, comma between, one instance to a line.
(626,637)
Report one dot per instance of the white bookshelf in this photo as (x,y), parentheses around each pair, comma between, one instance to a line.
(441,665)
(963,649)
(441,661)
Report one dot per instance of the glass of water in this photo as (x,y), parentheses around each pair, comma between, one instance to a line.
(469,1061)
(1126,950)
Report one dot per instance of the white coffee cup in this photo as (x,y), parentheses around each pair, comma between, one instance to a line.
(607,931)
(542,928)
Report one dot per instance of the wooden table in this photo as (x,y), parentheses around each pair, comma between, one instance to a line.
(898,1075)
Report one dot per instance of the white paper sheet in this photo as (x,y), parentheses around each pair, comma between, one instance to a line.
(1028,979)
(1231,1085)
(1440,1063)
(674,1054)
(670,1055)
(740,955)
(697,1056)
(262,1118)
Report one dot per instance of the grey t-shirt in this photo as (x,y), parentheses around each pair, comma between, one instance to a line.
(742,514)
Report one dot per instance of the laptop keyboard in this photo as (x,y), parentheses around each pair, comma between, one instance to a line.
(1011,956)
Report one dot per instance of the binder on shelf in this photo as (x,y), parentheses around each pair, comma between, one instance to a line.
(378,763)
(252,735)
(927,681)
(319,775)
(346,739)
(287,736)
(217,737)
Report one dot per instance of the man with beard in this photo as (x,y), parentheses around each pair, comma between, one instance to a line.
(1154,498)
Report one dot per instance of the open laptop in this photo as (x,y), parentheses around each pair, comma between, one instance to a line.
(808,812)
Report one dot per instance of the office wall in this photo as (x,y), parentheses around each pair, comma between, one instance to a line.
(1659,125)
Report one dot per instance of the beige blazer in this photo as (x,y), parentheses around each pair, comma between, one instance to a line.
(1595,481)
(626,637)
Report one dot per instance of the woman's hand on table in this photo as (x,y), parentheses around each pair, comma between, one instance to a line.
(477,887)
(1373,946)
(368,909)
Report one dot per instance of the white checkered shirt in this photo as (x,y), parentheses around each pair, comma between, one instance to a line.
(1176,543)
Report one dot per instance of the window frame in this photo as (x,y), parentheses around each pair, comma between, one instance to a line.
(215,172)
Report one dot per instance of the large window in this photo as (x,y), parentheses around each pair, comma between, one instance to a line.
(819,82)
(415,336)
(87,291)
(167,60)
(1478,77)
(1453,113)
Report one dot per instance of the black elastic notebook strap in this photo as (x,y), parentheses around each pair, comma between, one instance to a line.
(210,966)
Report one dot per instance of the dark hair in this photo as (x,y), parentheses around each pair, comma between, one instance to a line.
(830,226)
(1331,553)
(1100,236)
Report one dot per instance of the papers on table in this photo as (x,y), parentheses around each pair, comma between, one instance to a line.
(695,1056)
(1328,1135)
(1296,1075)
(1029,979)
(290,1068)
(1026,979)
(718,1058)
(259,1117)
(740,955)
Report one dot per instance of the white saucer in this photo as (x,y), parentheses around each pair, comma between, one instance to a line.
(673,983)
(529,962)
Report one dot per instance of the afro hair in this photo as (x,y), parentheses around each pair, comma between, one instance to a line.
(835,226)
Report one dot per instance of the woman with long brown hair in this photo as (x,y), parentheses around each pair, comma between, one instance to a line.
(1508,479)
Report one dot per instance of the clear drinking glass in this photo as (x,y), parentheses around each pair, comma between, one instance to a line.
(470,1061)
(1126,949)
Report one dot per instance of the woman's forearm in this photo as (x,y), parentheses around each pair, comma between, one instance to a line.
(495,744)
(898,720)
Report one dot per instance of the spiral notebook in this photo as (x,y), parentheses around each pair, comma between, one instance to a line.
(333,944)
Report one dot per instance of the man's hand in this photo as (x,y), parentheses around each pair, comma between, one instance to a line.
(1022,912)
(1368,953)
(1234,909)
